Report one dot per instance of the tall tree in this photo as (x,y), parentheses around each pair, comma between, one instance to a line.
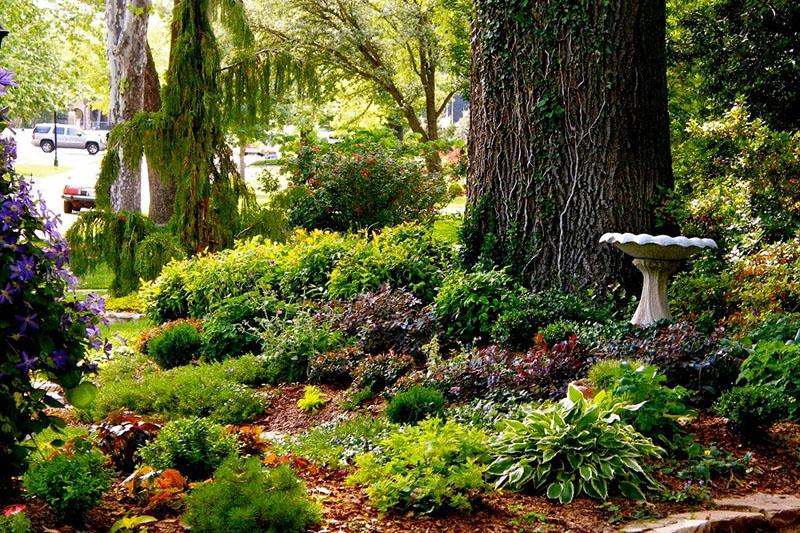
(569,134)
(412,51)
(126,22)
(162,192)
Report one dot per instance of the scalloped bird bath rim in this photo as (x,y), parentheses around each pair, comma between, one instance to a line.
(656,257)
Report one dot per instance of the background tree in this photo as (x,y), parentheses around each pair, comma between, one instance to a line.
(412,51)
(569,134)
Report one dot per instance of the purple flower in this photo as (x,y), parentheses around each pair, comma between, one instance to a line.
(28,363)
(27,321)
(60,358)
(58,252)
(96,344)
(6,81)
(23,270)
(9,240)
(6,293)
(92,331)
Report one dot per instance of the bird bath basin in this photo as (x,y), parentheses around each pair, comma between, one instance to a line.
(656,257)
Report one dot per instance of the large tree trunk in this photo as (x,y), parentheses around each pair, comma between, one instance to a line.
(162,194)
(569,135)
(126,24)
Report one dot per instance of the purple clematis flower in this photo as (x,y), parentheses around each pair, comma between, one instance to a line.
(27,322)
(92,331)
(60,358)
(23,270)
(6,81)
(7,293)
(28,363)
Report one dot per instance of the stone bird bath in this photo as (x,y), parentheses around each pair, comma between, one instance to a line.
(656,257)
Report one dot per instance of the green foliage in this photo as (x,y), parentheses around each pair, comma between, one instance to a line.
(267,221)
(114,238)
(334,368)
(131,523)
(71,482)
(309,261)
(378,372)
(574,447)
(415,404)
(559,331)
(175,346)
(469,303)
(425,468)
(777,365)
(335,444)
(232,328)
(245,497)
(754,408)
(155,251)
(216,390)
(290,344)
(313,399)
(374,187)
(660,406)
(605,373)
(15,523)
(404,256)
(193,446)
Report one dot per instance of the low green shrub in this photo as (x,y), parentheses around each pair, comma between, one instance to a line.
(70,482)
(15,523)
(605,372)
(573,447)
(232,328)
(309,261)
(176,346)
(193,446)
(414,405)
(753,408)
(425,468)
(469,303)
(216,390)
(313,399)
(335,444)
(776,365)
(559,331)
(290,344)
(244,497)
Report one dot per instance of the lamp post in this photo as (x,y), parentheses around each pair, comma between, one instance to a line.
(55,138)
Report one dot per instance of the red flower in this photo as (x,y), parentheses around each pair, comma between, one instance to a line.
(14,509)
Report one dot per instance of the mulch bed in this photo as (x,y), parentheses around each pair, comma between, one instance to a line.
(773,469)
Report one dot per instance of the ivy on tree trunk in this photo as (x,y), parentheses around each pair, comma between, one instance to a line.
(569,135)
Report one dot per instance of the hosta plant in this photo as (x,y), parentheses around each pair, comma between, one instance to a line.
(573,447)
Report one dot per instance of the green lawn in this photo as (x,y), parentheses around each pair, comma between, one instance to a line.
(447,227)
(127,329)
(39,171)
(98,279)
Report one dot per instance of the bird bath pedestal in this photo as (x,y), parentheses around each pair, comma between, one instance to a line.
(656,258)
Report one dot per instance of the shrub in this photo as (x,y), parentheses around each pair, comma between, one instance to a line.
(754,408)
(414,405)
(377,372)
(374,187)
(707,365)
(661,406)
(175,346)
(193,446)
(71,482)
(313,399)
(604,374)
(232,328)
(215,390)
(17,522)
(45,329)
(335,444)
(145,336)
(387,319)
(573,447)
(425,468)
(334,368)
(309,261)
(120,437)
(469,303)
(244,497)
(558,332)
(406,256)
(777,365)
(289,344)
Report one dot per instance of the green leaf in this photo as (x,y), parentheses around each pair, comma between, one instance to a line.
(82,396)
(567,493)
(600,487)
(585,472)
(554,490)
(630,491)
(574,394)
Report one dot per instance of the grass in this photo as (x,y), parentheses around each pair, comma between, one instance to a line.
(127,329)
(39,171)
(98,279)
(447,227)
(267,163)
(459,203)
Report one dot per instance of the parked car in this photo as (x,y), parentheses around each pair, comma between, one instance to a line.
(78,197)
(68,137)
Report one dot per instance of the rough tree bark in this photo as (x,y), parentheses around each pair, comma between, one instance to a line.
(569,135)
(162,194)
(126,24)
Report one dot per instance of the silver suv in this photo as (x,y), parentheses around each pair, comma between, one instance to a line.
(68,137)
